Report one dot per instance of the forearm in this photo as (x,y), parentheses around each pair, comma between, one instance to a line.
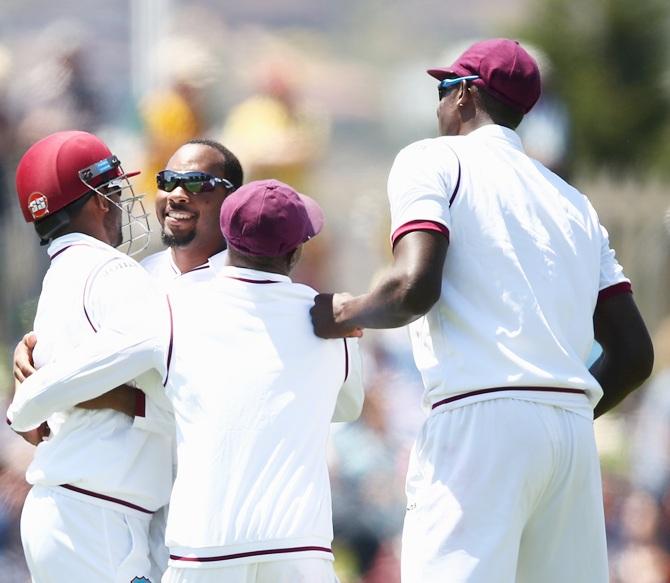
(390,305)
(122,399)
(616,380)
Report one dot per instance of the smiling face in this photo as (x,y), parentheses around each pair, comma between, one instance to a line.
(192,220)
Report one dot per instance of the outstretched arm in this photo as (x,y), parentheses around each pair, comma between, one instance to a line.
(122,399)
(405,292)
(628,354)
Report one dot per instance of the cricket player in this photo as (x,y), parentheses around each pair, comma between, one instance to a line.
(251,500)
(101,474)
(505,276)
(191,188)
(196,179)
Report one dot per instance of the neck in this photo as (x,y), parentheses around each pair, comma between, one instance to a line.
(188,258)
(474,123)
(269,264)
(95,233)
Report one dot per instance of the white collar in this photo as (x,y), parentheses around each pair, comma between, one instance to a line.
(61,243)
(216,260)
(500,132)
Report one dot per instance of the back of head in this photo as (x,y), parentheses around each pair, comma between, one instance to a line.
(267,219)
(230,165)
(506,73)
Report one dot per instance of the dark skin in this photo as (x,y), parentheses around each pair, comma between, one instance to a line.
(413,282)
(283,264)
(183,215)
(628,354)
(412,285)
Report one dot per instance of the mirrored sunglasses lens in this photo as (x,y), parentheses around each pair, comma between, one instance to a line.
(166,182)
(194,186)
(169,185)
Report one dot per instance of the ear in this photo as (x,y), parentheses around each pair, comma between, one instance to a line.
(465,94)
(101,203)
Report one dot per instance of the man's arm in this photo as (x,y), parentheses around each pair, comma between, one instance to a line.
(109,359)
(628,354)
(122,399)
(405,292)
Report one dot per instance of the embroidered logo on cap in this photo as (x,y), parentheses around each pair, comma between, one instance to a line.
(38,205)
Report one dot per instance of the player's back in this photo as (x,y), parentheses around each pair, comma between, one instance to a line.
(521,278)
(96,453)
(253,391)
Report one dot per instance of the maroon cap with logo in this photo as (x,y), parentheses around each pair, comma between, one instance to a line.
(505,70)
(267,218)
(47,177)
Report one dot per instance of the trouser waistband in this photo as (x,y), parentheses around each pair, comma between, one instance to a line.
(105,497)
(501,389)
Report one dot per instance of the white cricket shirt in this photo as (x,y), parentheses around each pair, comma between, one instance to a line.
(527,260)
(91,294)
(253,391)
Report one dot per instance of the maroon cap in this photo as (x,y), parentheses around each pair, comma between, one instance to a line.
(47,177)
(504,68)
(267,218)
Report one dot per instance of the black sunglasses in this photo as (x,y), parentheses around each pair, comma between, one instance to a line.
(193,182)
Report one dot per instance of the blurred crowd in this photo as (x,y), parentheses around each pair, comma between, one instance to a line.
(279,129)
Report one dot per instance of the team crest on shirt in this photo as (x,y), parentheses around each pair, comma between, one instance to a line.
(38,205)
(140,580)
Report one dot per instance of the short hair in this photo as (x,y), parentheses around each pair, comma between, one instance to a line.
(230,167)
(501,113)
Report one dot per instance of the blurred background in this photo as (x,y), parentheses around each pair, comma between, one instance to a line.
(323,95)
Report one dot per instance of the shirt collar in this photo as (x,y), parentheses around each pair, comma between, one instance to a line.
(499,132)
(215,261)
(253,275)
(61,243)
(218,259)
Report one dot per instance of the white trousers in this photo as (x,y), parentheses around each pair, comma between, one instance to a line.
(67,539)
(504,491)
(288,571)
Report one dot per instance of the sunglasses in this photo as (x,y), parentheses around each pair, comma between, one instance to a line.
(445,85)
(193,182)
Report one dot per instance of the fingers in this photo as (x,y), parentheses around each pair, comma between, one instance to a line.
(324,320)
(23,365)
(30,340)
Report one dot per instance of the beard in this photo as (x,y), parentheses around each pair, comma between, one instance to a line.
(177,240)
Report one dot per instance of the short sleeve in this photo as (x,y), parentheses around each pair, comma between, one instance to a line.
(612,278)
(423,178)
